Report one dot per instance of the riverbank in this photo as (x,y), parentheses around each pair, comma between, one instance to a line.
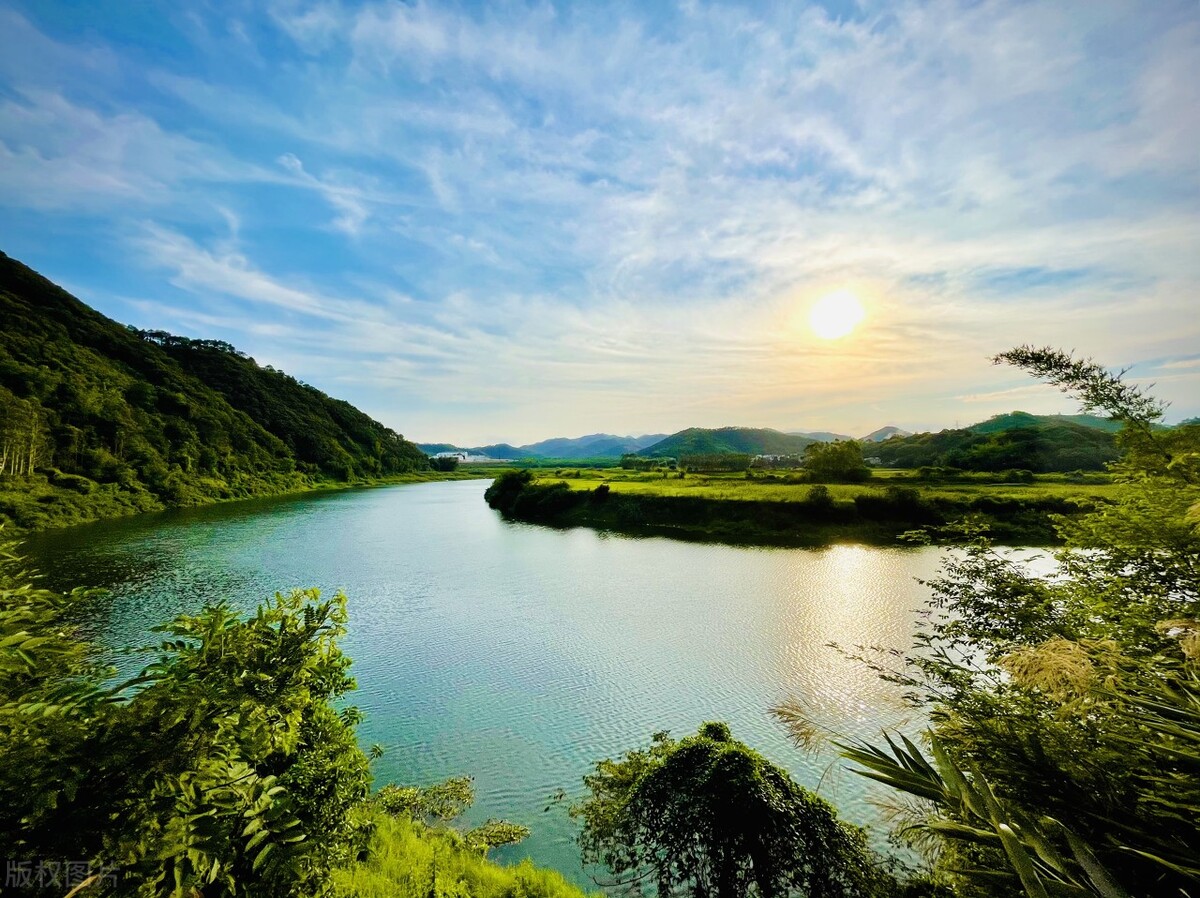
(777,512)
(48,501)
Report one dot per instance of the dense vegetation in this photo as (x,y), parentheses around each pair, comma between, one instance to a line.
(1016,441)
(838,462)
(98,419)
(406,859)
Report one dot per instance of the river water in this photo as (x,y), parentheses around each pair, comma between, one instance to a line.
(520,654)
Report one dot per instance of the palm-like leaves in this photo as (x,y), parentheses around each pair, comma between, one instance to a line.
(973,813)
(1045,855)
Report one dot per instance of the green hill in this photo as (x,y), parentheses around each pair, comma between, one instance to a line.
(99,419)
(744,440)
(1014,420)
(1056,444)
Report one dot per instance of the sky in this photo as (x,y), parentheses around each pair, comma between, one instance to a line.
(511,221)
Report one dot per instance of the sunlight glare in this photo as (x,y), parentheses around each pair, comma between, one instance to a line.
(836,315)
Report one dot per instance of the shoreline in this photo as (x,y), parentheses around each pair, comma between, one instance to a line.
(70,509)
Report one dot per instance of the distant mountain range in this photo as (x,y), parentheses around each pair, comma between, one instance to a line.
(767,441)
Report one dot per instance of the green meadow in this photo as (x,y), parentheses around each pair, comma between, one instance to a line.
(784,488)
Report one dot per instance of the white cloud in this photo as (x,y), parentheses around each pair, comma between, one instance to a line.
(351,203)
(1181,363)
(57,154)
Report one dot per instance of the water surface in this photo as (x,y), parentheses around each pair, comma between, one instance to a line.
(521,654)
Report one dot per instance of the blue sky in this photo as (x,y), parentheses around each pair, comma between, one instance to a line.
(515,221)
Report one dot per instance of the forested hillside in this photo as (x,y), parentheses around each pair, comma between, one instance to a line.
(99,419)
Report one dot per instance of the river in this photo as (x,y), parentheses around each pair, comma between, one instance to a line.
(520,654)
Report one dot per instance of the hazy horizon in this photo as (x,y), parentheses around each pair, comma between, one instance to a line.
(484,223)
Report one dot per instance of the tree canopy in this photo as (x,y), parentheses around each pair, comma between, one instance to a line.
(708,816)
(838,462)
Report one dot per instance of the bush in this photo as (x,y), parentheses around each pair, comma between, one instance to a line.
(709,809)
(545,501)
(819,497)
(81,485)
(504,489)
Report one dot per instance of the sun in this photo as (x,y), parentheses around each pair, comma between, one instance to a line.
(835,315)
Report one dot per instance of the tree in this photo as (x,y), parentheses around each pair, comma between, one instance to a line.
(838,462)
(23,438)
(1066,710)
(503,492)
(444,463)
(711,817)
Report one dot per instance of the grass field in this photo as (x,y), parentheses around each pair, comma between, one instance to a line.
(777,488)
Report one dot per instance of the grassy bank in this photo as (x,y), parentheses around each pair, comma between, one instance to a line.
(49,499)
(406,859)
(775,510)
